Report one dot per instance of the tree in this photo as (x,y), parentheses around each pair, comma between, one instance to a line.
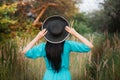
(112,10)
(80,23)
(107,18)
(5,19)
(29,13)
(98,21)
(38,10)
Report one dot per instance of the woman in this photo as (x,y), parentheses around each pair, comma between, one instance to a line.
(56,50)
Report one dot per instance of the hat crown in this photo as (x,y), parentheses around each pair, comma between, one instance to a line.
(55,27)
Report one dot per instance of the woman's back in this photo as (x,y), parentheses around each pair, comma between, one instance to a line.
(63,74)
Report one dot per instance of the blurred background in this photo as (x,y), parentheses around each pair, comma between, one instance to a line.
(97,20)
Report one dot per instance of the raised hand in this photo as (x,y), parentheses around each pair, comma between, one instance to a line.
(32,43)
(41,34)
(79,36)
(70,30)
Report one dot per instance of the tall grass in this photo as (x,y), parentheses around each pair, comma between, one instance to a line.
(105,59)
(14,66)
(101,63)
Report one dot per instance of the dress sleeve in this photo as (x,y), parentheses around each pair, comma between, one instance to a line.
(78,47)
(36,51)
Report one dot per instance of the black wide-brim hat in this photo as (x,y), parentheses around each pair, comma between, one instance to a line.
(55,25)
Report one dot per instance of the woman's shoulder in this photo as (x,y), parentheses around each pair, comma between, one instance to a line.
(42,44)
(70,41)
(77,46)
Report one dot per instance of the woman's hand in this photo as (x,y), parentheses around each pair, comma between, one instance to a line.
(32,43)
(79,36)
(41,34)
(70,30)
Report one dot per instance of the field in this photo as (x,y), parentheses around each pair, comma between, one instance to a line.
(101,63)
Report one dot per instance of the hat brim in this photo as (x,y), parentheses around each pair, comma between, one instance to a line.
(52,38)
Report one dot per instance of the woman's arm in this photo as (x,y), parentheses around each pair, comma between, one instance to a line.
(36,39)
(80,37)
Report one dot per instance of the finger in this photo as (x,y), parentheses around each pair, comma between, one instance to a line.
(66,26)
(45,33)
(44,30)
(67,29)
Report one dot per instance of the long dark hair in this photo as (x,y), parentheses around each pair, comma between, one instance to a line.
(53,53)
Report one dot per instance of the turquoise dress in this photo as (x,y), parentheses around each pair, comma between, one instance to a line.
(64,73)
